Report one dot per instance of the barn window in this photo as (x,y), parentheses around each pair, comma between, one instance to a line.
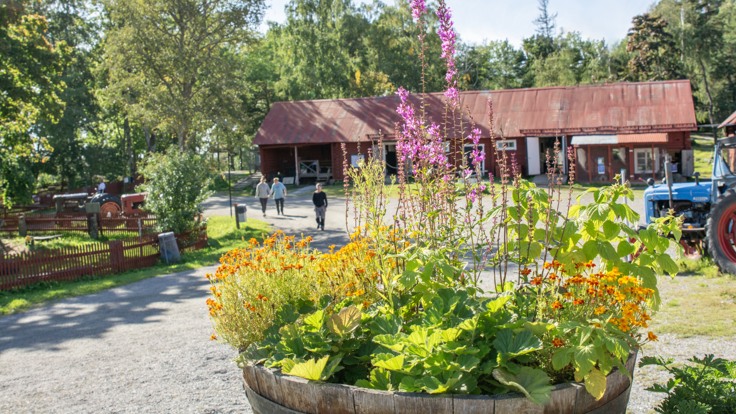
(506,145)
(644,161)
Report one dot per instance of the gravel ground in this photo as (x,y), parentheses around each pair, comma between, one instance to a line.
(145,347)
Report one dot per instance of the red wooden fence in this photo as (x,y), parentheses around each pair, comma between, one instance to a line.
(91,260)
(76,222)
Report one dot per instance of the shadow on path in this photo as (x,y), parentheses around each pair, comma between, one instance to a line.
(93,315)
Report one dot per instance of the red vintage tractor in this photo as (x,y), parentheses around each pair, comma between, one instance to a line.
(128,205)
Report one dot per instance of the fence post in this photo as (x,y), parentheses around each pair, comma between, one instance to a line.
(22,227)
(116,256)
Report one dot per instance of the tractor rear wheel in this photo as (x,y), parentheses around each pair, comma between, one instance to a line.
(721,232)
(110,205)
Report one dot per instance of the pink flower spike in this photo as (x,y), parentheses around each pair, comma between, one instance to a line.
(418,8)
(452,95)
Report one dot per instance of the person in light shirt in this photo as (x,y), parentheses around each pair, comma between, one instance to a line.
(278,192)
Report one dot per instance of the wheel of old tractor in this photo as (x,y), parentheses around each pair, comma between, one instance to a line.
(110,205)
(721,232)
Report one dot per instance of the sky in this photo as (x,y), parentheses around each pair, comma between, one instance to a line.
(479,20)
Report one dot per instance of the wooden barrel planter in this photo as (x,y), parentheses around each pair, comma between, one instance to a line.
(271,392)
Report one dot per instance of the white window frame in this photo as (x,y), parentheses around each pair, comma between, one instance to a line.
(506,145)
(648,154)
(468,149)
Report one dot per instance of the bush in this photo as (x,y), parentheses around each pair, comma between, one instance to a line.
(708,386)
(176,183)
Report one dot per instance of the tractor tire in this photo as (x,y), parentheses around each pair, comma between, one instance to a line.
(110,205)
(720,232)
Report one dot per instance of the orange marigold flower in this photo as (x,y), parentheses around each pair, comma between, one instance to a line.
(578,302)
(651,336)
(557,342)
(213,337)
(525,271)
(536,281)
(557,305)
(552,276)
(547,265)
(600,310)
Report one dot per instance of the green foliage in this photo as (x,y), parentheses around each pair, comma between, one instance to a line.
(30,93)
(654,53)
(171,62)
(706,385)
(176,183)
(430,338)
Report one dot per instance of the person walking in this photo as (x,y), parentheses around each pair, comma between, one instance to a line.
(101,187)
(319,199)
(262,193)
(278,191)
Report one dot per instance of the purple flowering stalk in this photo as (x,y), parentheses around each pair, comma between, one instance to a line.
(434,154)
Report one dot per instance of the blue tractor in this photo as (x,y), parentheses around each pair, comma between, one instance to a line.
(708,208)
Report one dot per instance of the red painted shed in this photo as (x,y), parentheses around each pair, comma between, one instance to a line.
(631,126)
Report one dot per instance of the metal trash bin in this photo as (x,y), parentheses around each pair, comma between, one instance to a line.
(168,248)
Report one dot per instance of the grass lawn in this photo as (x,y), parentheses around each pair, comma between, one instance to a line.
(70,239)
(699,301)
(223,236)
(703,155)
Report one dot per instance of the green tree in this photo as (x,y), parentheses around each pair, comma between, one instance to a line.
(698,27)
(492,65)
(573,61)
(177,184)
(29,80)
(176,53)
(72,22)
(654,53)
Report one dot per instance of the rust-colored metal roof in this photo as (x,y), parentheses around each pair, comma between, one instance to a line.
(651,138)
(731,120)
(619,108)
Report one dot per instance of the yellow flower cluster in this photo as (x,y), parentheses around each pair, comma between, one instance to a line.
(253,283)
(582,293)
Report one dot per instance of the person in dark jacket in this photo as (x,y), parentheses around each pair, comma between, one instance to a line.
(319,199)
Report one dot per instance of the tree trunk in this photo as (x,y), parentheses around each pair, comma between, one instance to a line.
(129,147)
(150,139)
(711,120)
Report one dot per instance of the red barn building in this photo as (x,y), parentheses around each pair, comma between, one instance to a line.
(630,126)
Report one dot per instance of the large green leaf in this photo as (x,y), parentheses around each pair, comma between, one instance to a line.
(430,384)
(311,369)
(385,324)
(667,265)
(583,360)
(607,251)
(345,321)
(315,320)
(610,230)
(532,382)
(395,343)
(389,362)
(595,383)
(561,358)
(380,379)
(498,303)
(515,344)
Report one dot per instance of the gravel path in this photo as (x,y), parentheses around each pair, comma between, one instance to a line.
(145,347)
